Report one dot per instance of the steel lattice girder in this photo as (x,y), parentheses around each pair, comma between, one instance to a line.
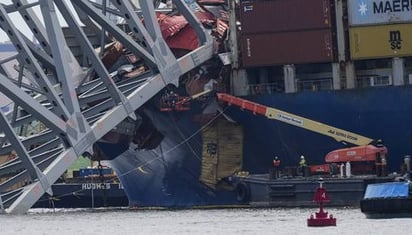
(53,90)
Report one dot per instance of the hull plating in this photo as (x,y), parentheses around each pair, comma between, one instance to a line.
(378,113)
(168,175)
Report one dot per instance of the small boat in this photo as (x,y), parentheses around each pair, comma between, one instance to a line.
(84,195)
(86,187)
(388,200)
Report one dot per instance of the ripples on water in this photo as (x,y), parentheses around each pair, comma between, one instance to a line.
(219,221)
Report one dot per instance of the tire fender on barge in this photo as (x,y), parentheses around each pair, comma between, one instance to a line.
(242,192)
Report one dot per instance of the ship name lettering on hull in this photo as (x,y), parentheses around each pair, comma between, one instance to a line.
(89,186)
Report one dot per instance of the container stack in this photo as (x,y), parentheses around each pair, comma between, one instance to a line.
(379,29)
(278,32)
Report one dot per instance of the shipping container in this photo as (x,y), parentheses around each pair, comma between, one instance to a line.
(315,46)
(86,172)
(372,12)
(269,16)
(222,151)
(380,41)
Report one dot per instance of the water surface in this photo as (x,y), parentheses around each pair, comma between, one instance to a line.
(214,221)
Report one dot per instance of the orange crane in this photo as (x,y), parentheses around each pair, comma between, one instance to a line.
(365,157)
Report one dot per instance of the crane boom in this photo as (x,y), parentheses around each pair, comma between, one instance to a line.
(339,135)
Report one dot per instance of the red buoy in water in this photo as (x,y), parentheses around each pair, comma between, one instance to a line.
(321,218)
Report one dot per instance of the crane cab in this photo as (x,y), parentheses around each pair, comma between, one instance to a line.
(363,159)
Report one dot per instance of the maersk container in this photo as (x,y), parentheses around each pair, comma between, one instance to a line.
(315,46)
(381,41)
(269,16)
(372,12)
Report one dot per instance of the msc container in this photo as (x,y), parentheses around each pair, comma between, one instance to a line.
(268,16)
(380,41)
(372,12)
(315,46)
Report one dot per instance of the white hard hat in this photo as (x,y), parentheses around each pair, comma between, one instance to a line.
(302,156)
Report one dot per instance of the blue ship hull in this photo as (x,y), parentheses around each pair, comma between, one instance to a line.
(169,174)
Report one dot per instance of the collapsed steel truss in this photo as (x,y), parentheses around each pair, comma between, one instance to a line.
(54,90)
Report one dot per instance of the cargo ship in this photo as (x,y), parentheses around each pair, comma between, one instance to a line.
(343,63)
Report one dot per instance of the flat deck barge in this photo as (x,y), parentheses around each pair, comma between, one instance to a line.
(262,191)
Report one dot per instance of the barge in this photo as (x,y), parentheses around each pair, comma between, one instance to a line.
(387,200)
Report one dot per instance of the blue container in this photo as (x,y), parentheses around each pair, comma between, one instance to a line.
(372,12)
(94,171)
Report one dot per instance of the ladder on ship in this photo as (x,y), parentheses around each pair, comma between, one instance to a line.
(52,87)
